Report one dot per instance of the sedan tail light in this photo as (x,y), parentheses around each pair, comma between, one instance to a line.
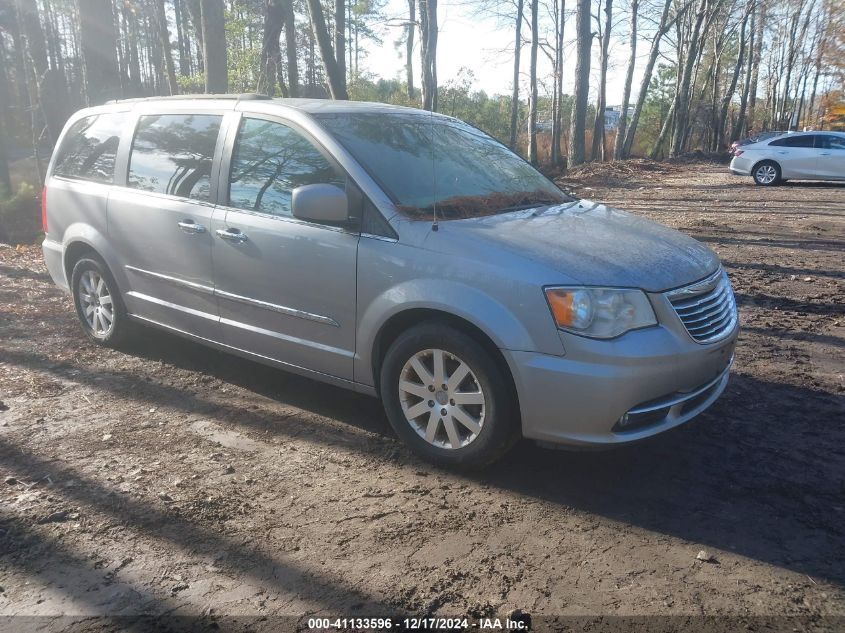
(739,152)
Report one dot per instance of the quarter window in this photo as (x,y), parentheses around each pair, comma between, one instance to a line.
(172,154)
(269,161)
(89,149)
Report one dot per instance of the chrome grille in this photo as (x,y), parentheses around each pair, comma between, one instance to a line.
(706,308)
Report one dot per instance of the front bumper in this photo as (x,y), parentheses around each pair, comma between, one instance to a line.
(658,377)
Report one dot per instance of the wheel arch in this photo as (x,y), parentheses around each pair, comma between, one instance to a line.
(81,238)
(401,321)
(75,251)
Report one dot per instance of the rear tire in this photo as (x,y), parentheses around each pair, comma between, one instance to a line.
(99,305)
(766,173)
(469,424)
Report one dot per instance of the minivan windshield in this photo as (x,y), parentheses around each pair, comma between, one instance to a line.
(420,160)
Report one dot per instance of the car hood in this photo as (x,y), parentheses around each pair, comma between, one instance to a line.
(596,245)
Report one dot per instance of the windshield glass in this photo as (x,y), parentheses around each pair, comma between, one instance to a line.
(420,160)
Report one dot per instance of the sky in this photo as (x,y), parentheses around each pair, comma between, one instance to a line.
(486,48)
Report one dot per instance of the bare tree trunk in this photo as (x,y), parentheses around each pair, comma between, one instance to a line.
(558,83)
(167,52)
(532,105)
(517,50)
(818,65)
(664,132)
(665,25)
(755,71)
(714,93)
(409,47)
(582,84)
(181,39)
(22,97)
(598,125)
(134,62)
(310,62)
(340,37)
(5,178)
(622,128)
(271,53)
(679,131)
(290,47)
(800,110)
(721,123)
(428,37)
(195,13)
(337,82)
(35,45)
(98,49)
(45,87)
(214,38)
(738,129)
(792,53)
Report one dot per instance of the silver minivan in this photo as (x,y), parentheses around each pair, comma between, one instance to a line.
(395,252)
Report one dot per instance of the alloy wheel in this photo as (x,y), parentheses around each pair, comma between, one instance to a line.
(96,302)
(442,399)
(766,174)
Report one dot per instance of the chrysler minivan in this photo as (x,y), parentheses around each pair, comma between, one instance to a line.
(395,252)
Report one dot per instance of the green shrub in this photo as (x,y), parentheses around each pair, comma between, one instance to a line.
(20,216)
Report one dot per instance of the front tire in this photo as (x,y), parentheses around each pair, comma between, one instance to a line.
(98,303)
(766,173)
(447,397)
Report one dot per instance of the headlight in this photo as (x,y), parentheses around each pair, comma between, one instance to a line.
(600,312)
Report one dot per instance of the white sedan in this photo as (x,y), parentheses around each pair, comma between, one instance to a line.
(800,155)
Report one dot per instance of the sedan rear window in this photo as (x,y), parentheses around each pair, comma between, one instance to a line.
(89,148)
(421,161)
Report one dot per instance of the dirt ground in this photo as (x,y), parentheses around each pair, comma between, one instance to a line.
(168,479)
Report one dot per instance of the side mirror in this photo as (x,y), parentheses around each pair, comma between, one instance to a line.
(320,203)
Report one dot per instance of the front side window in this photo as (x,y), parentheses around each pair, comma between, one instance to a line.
(425,162)
(89,148)
(172,154)
(269,161)
(829,141)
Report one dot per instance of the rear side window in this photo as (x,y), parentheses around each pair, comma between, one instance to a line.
(805,140)
(172,154)
(89,148)
(269,161)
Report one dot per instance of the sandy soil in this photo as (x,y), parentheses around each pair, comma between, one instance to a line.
(166,478)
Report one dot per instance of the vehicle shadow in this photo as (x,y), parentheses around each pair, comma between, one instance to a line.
(746,182)
(123,603)
(811,184)
(761,474)
(800,335)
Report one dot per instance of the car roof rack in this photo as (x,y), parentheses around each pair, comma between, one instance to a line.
(247,96)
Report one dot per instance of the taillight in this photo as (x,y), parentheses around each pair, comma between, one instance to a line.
(44,208)
(739,152)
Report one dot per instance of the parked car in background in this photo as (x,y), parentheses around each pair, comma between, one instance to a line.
(799,156)
(395,252)
(755,138)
